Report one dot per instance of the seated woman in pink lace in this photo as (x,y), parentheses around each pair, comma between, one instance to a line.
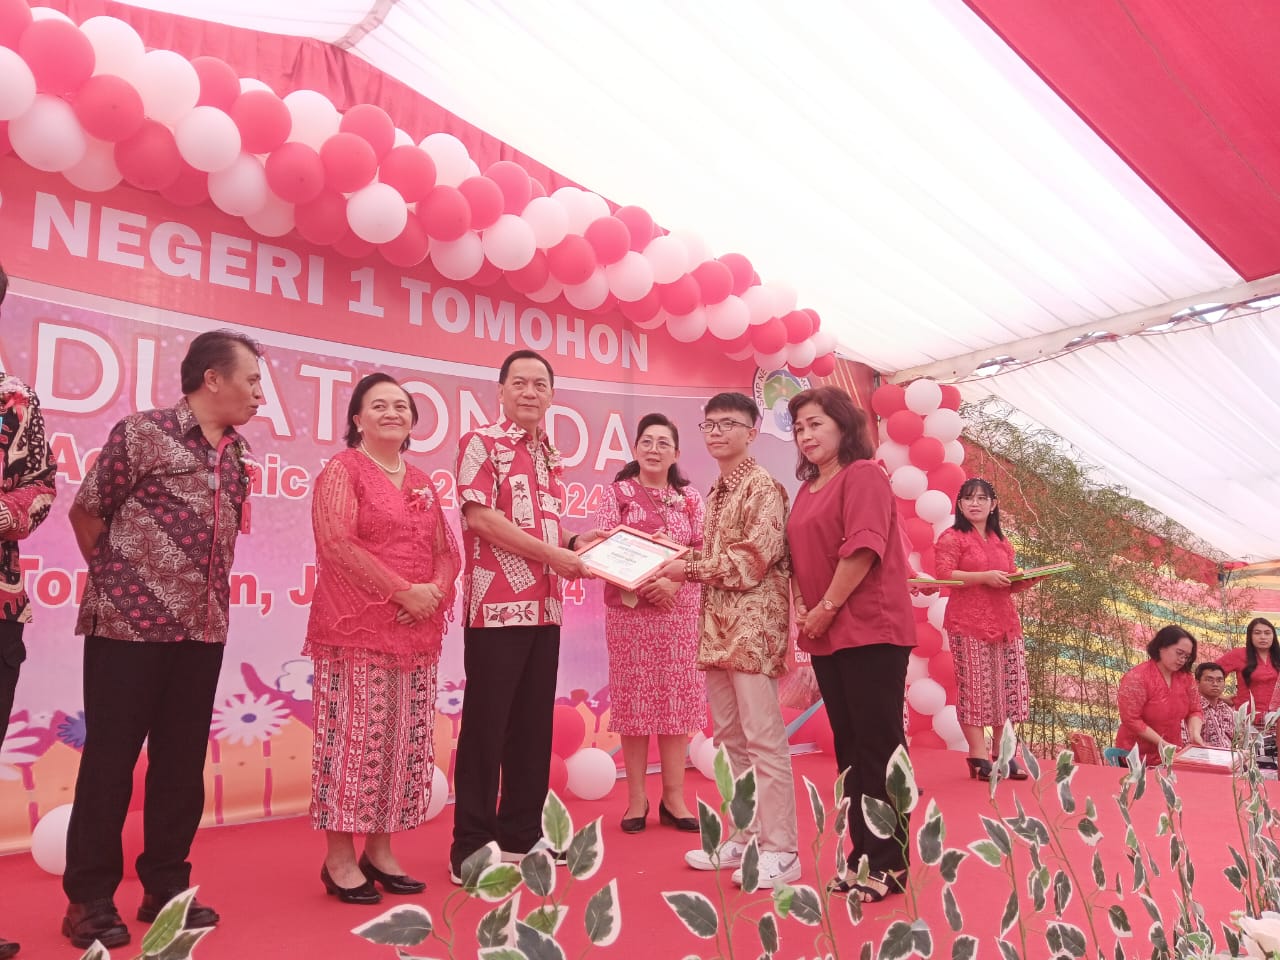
(1155,697)
(385,569)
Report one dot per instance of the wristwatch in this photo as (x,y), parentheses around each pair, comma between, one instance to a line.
(828,605)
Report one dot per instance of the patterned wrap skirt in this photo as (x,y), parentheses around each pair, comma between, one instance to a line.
(372,752)
(991,677)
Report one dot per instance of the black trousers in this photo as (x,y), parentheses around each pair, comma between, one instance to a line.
(505,739)
(12,653)
(864,688)
(163,693)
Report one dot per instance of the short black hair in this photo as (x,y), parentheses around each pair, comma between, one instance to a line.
(734,402)
(1208,665)
(213,350)
(525,355)
(4,283)
(1167,637)
(357,402)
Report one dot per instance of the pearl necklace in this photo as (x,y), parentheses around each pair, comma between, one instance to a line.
(385,469)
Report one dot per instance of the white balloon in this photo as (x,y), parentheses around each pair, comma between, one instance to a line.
(943,525)
(917,668)
(933,506)
(48,136)
(314,118)
(402,139)
(659,319)
(590,293)
(908,482)
(168,84)
(921,599)
(631,278)
(458,259)
(240,189)
(594,207)
(48,13)
(548,292)
(117,48)
(97,170)
(688,327)
(699,250)
(439,795)
(729,319)
(275,219)
(592,773)
(759,304)
(801,354)
(943,424)
(894,455)
(927,696)
(698,739)
(377,213)
(937,612)
(669,258)
(784,298)
(923,396)
(914,561)
(769,362)
(548,219)
(450,157)
(705,759)
(824,342)
(946,724)
(509,243)
(253,83)
(17,85)
(746,353)
(954,451)
(49,840)
(208,139)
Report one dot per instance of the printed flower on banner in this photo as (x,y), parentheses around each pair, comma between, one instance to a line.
(71,729)
(246,719)
(449,698)
(14,750)
(296,679)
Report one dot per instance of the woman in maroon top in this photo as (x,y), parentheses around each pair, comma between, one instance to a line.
(982,624)
(849,587)
(1157,696)
(1256,666)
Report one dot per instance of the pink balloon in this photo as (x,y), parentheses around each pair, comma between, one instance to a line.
(741,269)
(609,238)
(639,226)
(769,337)
(799,326)
(904,427)
(263,120)
(61,58)
(149,160)
(323,220)
(353,247)
(888,400)
(927,453)
(219,85)
(371,124)
(109,108)
(514,183)
(189,189)
(571,260)
(644,309)
(568,730)
(950,396)
(296,174)
(824,365)
(410,171)
(410,248)
(349,163)
(715,281)
(533,276)
(485,199)
(680,297)
(445,213)
(15,17)
(487,275)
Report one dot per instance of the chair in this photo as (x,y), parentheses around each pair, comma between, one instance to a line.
(1084,748)
(1116,756)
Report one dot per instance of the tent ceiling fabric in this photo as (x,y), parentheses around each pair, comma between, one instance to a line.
(937,178)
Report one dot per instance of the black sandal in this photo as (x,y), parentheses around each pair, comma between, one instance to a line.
(979,769)
(1015,771)
(878,885)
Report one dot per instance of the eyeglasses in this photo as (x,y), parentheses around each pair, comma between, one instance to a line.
(648,443)
(721,426)
(1182,654)
(980,498)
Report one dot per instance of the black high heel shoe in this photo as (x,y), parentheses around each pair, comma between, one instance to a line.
(364,894)
(400,883)
(979,769)
(669,819)
(636,824)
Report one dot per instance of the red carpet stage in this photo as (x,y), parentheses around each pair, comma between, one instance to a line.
(263,877)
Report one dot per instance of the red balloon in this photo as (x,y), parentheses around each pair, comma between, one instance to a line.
(917,722)
(738,344)
(769,337)
(799,326)
(486,276)
(15,17)
(715,281)
(606,306)
(927,452)
(558,781)
(295,173)
(813,315)
(323,221)
(371,124)
(445,213)
(149,160)
(190,189)
(950,396)
(131,842)
(108,108)
(679,297)
(644,309)
(410,248)
(572,260)
(5,145)
(219,85)
(532,276)
(353,247)
(639,225)
(263,120)
(928,740)
(888,399)
(741,269)
(906,509)
(825,365)
(349,162)
(60,57)
(609,238)
(919,532)
(517,190)
(568,731)
(485,198)
(928,640)
(905,427)
(410,170)
(942,667)
(948,477)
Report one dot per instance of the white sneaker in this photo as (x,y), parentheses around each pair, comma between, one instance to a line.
(730,856)
(542,844)
(776,868)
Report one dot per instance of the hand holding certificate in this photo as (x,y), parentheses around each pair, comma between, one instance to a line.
(627,557)
(1032,573)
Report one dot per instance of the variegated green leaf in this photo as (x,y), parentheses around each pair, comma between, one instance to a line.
(1036,887)
(951,909)
(1007,950)
(603,918)
(987,852)
(168,922)
(1063,937)
(898,942)
(1030,762)
(547,918)
(497,927)
(768,930)
(998,834)
(950,865)
(1062,891)
(709,827)
(182,946)
(783,896)
(535,944)
(742,809)
(805,905)
(1119,921)
(723,774)
(879,817)
(921,939)
(538,870)
(586,851)
(403,926)
(751,866)
(1010,915)
(816,806)
(964,948)
(695,911)
(557,825)
(497,882)
(495,953)
(1065,799)
(900,781)
(1089,831)
(931,836)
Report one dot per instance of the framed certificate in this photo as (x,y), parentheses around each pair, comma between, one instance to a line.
(627,557)
(923,581)
(1031,573)
(1206,759)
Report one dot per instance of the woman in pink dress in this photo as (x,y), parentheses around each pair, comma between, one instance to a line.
(1256,666)
(982,624)
(1157,696)
(654,684)
(385,569)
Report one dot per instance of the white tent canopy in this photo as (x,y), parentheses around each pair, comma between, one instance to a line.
(901,166)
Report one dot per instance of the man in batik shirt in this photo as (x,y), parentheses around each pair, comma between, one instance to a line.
(515,555)
(1219,718)
(26,493)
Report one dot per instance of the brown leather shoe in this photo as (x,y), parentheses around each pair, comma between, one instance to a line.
(8,948)
(96,920)
(198,914)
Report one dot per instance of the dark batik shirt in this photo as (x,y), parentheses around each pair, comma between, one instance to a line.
(26,487)
(173,506)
